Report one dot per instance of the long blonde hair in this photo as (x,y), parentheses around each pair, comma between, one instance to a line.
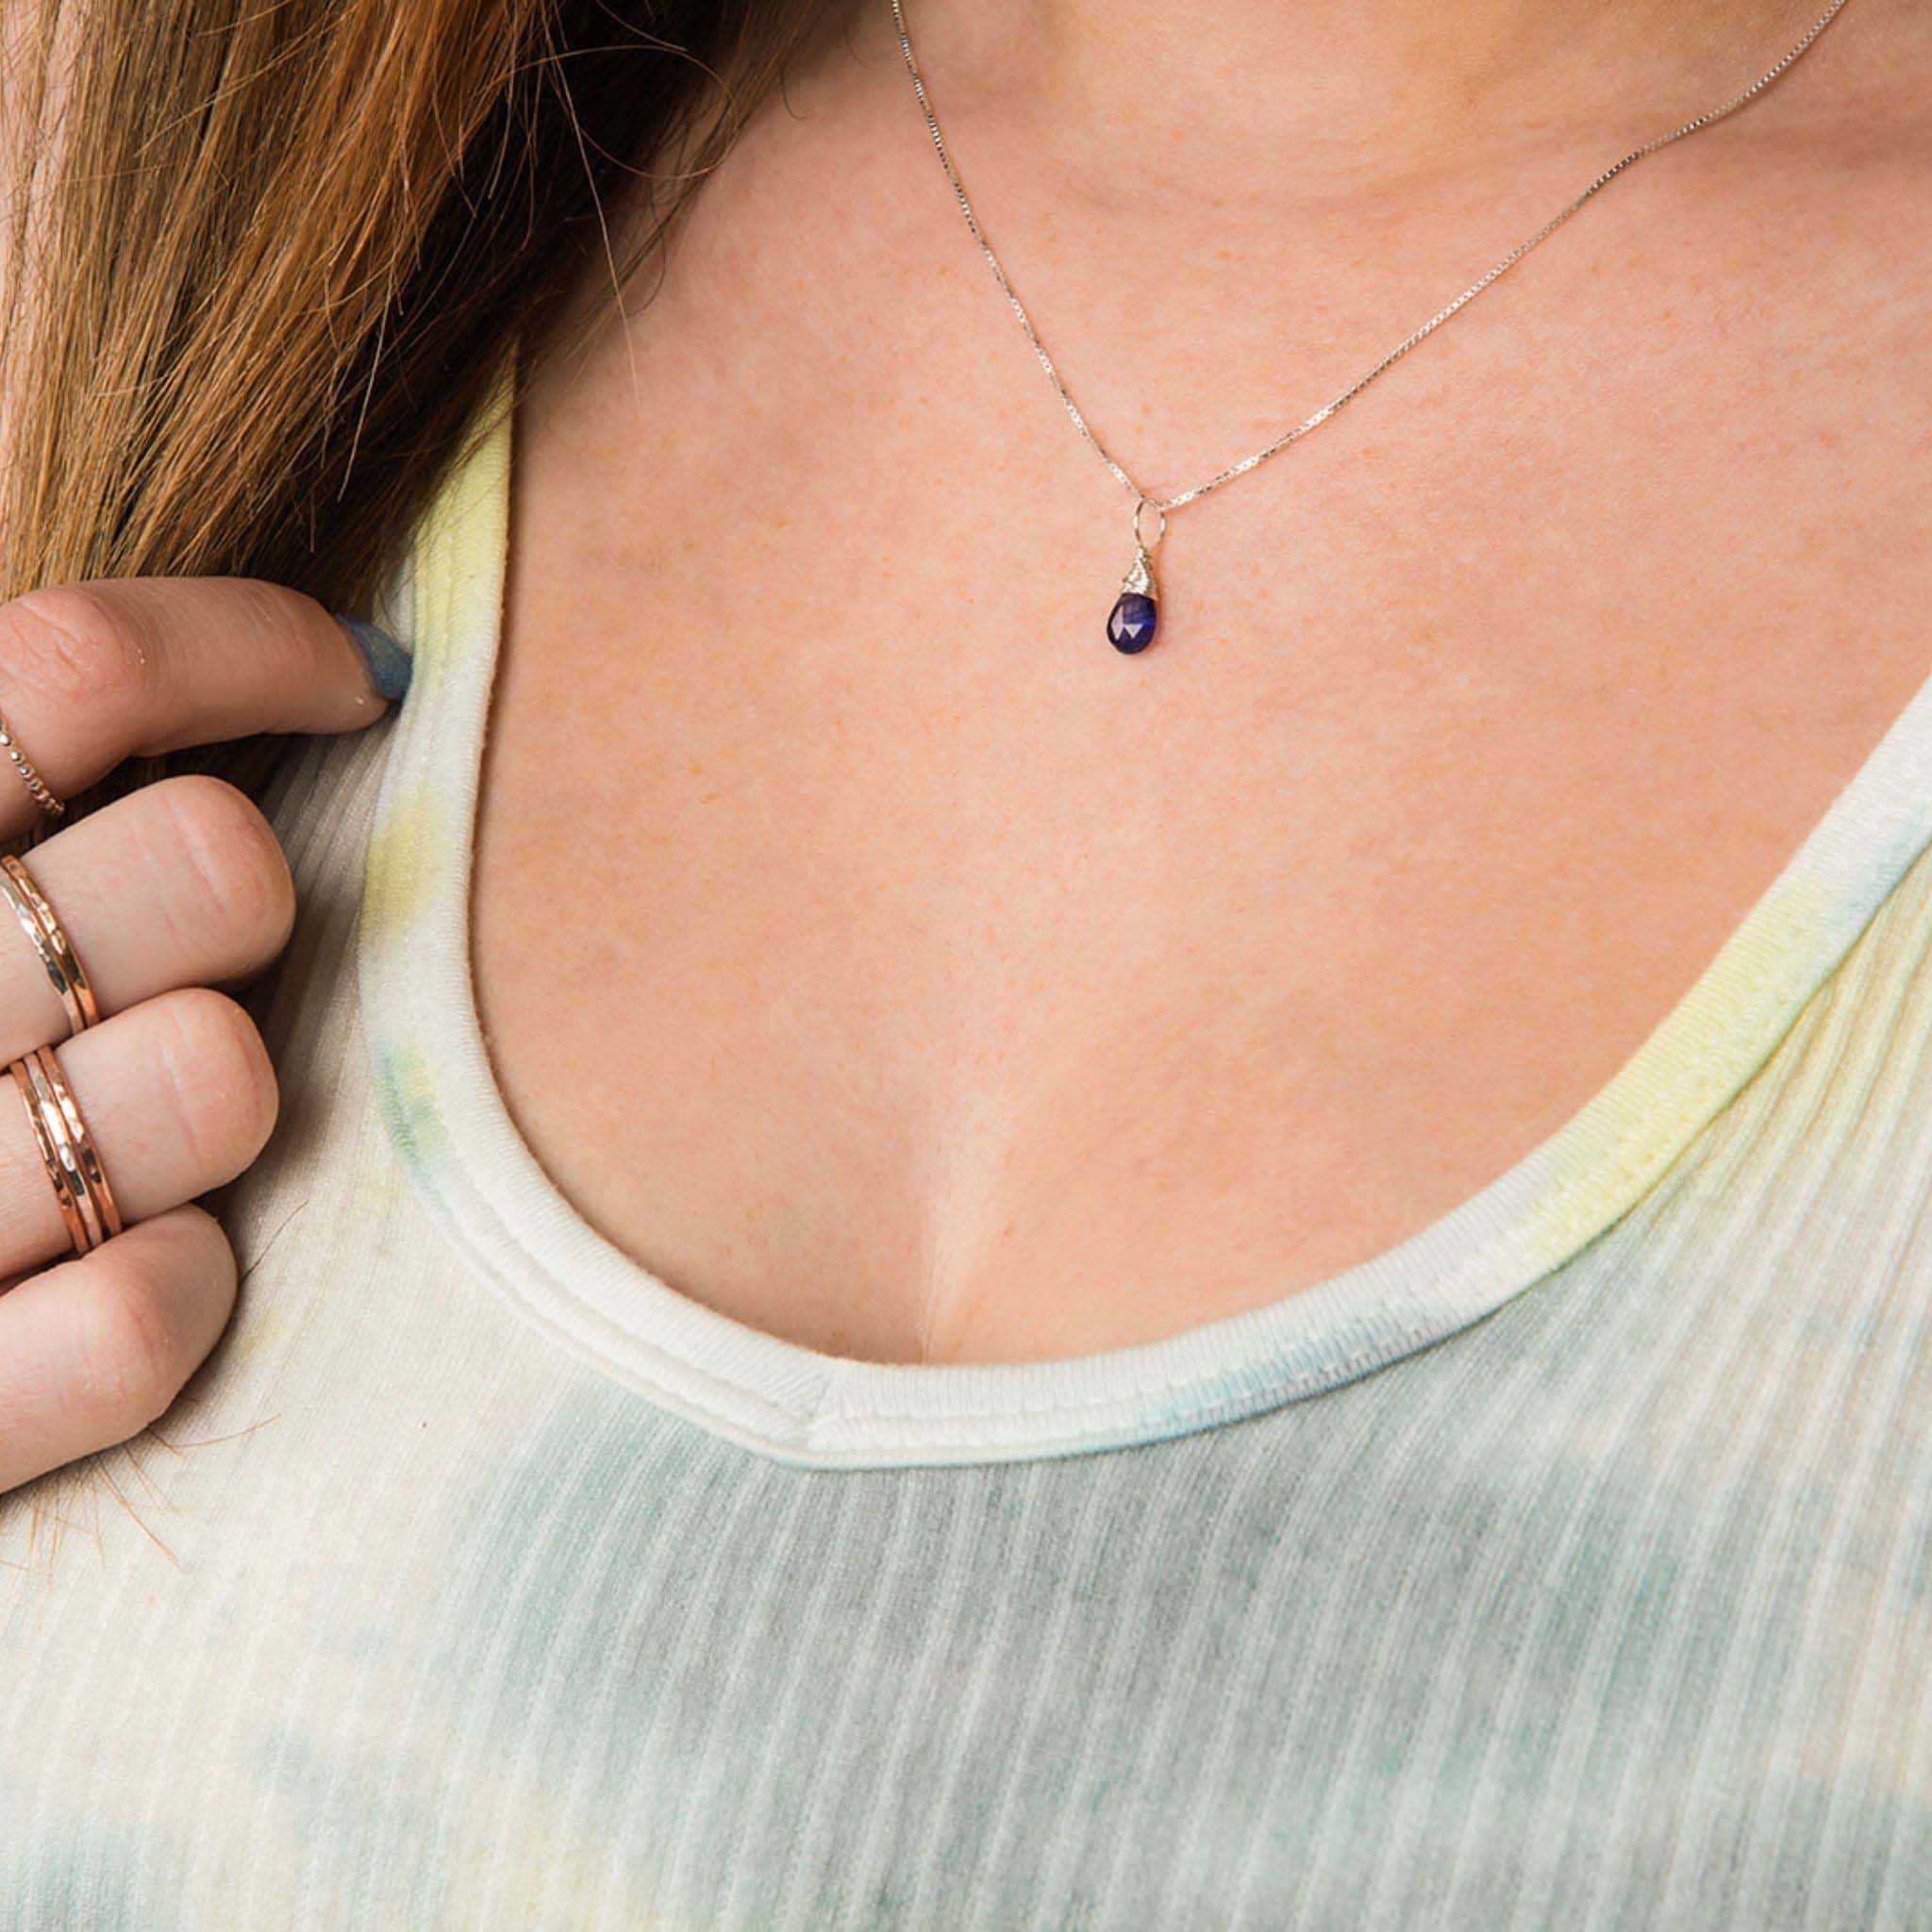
(258,262)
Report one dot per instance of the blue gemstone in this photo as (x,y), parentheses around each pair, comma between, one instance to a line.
(1131,626)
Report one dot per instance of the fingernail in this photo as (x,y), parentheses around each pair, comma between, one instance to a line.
(387,663)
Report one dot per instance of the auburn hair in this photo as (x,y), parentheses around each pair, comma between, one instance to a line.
(258,262)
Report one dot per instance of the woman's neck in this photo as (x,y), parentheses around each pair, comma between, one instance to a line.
(1154,91)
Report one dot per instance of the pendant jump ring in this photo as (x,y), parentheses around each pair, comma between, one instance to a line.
(1141,509)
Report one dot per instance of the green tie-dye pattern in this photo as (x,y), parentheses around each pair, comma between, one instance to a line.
(406,1095)
(100,1879)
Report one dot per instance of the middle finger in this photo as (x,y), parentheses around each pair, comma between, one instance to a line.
(180,883)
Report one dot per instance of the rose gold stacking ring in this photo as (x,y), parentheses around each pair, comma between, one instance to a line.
(35,784)
(48,937)
(67,1149)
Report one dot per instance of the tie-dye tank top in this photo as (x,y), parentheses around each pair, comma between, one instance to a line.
(1567,1565)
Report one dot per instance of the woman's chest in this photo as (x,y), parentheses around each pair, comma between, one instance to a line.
(883,959)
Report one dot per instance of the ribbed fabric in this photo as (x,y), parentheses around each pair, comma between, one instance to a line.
(1568,1566)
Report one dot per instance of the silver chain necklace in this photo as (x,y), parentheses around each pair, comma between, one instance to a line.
(1131,624)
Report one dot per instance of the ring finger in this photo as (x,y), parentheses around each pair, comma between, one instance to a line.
(176,1097)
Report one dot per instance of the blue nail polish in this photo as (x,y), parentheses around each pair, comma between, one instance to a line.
(388,664)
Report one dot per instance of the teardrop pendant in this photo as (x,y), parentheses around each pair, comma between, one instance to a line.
(1135,614)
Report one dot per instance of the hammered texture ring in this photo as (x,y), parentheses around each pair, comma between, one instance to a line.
(48,937)
(67,1151)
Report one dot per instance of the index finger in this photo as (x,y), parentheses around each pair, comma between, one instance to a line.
(97,671)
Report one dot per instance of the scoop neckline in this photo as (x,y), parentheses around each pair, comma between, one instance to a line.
(451,1128)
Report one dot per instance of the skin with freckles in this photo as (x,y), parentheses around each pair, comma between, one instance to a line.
(947,987)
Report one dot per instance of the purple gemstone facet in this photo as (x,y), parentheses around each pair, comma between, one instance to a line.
(1131,625)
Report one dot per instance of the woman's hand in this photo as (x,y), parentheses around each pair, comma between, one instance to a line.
(164,894)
